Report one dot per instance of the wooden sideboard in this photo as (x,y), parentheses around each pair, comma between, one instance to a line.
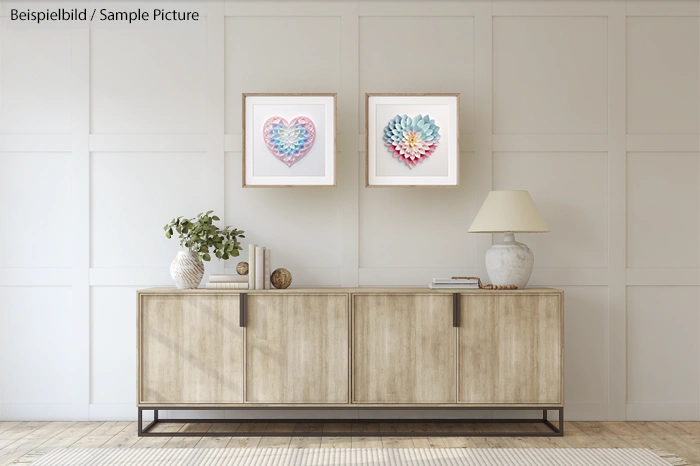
(350,348)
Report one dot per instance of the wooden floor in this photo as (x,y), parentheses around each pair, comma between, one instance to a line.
(20,438)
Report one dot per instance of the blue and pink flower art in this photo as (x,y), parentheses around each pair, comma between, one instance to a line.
(411,140)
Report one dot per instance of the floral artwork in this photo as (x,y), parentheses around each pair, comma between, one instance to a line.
(289,141)
(411,140)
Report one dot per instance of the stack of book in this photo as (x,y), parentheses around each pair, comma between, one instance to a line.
(454,283)
(228,282)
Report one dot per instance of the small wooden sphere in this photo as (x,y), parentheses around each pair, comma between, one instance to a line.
(281,279)
(242,268)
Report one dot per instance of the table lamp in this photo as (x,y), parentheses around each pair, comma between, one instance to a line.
(509,212)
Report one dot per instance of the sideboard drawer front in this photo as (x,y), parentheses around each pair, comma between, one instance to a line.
(191,349)
(510,349)
(403,349)
(297,348)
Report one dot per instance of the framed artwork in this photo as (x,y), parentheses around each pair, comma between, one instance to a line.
(289,140)
(412,140)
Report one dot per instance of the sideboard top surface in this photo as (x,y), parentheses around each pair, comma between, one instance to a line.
(364,290)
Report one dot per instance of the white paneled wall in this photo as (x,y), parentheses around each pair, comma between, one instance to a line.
(594,107)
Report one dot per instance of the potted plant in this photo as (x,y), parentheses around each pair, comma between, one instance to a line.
(199,235)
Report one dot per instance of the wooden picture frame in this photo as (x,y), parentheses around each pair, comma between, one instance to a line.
(386,162)
(289,139)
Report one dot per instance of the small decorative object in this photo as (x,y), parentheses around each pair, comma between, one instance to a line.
(487,287)
(187,270)
(412,139)
(242,268)
(509,212)
(198,235)
(296,129)
(281,279)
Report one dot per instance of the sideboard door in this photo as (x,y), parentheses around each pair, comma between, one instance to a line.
(190,349)
(510,349)
(403,349)
(297,348)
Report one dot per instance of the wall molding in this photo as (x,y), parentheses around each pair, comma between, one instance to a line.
(550,142)
(663,411)
(617,211)
(149,142)
(651,276)
(663,143)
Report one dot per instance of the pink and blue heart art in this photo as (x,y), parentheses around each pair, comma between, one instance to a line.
(289,141)
(411,140)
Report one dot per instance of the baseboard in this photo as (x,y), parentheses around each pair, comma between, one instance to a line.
(663,411)
(575,411)
(39,412)
(116,412)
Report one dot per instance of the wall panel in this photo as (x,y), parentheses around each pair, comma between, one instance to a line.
(586,381)
(148,80)
(663,71)
(417,227)
(36,211)
(550,75)
(112,345)
(132,195)
(586,336)
(29,102)
(663,350)
(37,362)
(663,192)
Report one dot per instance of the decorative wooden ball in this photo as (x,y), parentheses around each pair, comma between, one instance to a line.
(242,268)
(281,279)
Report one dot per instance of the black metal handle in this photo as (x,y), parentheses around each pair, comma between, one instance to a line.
(243,309)
(455,309)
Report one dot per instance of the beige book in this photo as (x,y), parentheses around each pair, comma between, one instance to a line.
(259,267)
(251,266)
(227,286)
(267,270)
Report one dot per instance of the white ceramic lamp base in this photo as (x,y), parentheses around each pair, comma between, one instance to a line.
(509,262)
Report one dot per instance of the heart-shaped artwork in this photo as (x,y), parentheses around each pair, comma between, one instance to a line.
(289,142)
(411,140)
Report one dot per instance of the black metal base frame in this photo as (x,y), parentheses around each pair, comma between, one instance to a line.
(555,431)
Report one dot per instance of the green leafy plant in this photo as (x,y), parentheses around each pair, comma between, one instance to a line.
(200,234)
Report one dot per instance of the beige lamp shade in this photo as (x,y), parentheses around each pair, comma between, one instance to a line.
(509,211)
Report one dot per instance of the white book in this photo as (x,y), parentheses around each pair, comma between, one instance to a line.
(456,286)
(455,280)
(227,286)
(259,268)
(228,278)
(267,270)
(251,266)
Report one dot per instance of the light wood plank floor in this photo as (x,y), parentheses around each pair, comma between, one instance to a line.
(20,438)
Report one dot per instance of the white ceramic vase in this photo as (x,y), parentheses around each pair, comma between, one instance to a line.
(187,270)
(509,262)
